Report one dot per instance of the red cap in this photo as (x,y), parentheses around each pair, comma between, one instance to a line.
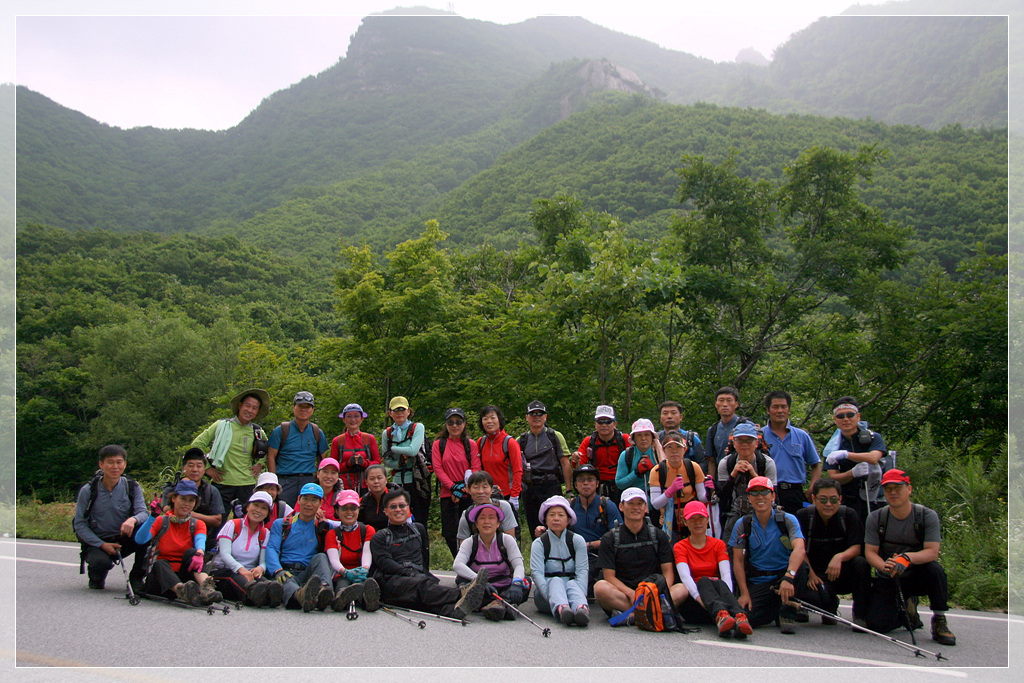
(760,483)
(895,477)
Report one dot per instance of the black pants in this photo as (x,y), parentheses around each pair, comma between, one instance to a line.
(765,605)
(162,578)
(451,513)
(883,612)
(855,578)
(790,497)
(716,596)
(229,494)
(419,505)
(98,563)
(424,593)
(540,490)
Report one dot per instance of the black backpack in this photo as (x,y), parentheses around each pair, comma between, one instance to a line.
(556,454)
(94,484)
(883,523)
(545,541)
(317,433)
(419,464)
(527,474)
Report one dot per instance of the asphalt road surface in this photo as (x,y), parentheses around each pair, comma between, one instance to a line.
(61,623)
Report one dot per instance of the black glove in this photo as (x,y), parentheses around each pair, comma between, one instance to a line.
(516,594)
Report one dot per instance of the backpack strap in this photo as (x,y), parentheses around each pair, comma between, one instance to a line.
(545,541)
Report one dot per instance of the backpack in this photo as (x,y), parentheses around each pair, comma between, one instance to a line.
(545,541)
(651,610)
(94,484)
(317,433)
(595,443)
(321,531)
(501,548)
(238,530)
(420,464)
(340,535)
(602,512)
(556,454)
(883,523)
(527,477)
(154,543)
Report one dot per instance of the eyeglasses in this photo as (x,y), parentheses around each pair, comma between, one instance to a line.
(455,423)
(845,416)
(605,421)
(827,500)
(759,492)
(398,506)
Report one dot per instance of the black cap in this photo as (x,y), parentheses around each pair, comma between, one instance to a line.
(452,412)
(584,469)
(536,406)
(193,454)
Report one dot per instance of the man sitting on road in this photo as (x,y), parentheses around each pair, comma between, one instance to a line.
(902,543)
(109,509)
(632,552)
(401,566)
(295,554)
(833,535)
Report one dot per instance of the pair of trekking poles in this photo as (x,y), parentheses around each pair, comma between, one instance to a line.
(135,598)
(390,609)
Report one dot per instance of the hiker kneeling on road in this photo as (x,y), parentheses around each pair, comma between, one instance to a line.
(703,565)
(296,558)
(240,563)
(560,565)
(110,507)
(401,565)
(177,543)
(497,552)
(902,543)
(633,552)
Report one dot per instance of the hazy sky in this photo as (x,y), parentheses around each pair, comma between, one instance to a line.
(208,64)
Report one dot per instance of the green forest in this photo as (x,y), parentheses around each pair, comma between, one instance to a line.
(493,241)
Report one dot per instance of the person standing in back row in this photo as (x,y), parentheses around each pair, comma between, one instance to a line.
(602,450)
(548,462)
(402,443)
(727,402)
(295,448)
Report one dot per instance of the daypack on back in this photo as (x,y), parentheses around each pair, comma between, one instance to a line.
(419,464)
(527,477)
(93,485)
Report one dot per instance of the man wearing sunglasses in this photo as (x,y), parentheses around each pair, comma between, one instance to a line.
(400,564)
(853,455)
(601,449)
(833,534)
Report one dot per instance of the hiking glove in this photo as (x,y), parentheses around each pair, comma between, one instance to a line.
(836,456)
(675,486)
(514,502)
(357,461)
(900,564)
(861,469)
(282,576)
(516,594)
(357,575)
(154,508)
(644,466)
(196,565)
(458,490)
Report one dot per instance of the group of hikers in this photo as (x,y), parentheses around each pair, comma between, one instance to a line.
(739,530)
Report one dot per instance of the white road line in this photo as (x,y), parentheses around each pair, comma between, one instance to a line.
(44,545)
(838,658)
(31,559)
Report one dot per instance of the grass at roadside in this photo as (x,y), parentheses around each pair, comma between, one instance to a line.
(51,521)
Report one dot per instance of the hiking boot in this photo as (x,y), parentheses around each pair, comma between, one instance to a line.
(582,616)
(97,584)
(786,626)
(629,621)
(472,596)
(724,622)
(912,615)
(743,625)
(257,593)
(371,595)
(940,631)
(802,617)
(275,594)
(324,597)
(346,595)
(510,614)
(494,610)
(188,593)
(859,625)
(208,591)
(828,621)
(307,595)
(566,616)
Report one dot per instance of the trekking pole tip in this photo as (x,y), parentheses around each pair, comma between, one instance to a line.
(423,624)
(546,632)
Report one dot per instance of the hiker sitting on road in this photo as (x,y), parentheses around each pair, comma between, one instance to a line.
(348,550)
(703,565)
(481,490)
(560,566)
(371,505)
(240,565)
(296,558)
(632,552)
(401,565)
(902,543)
(674,482)
(500,554)
(110,507)
(176,553)
(209,507)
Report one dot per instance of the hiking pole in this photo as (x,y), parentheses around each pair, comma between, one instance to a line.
(133,599)
(428,614)
(352,613)
(421,623)
(903,610)
(918,652)
(545,631)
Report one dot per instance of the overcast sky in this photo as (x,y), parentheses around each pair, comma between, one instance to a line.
(208,64)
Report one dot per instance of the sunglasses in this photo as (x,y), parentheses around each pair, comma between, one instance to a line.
(398,506)
(827,500)
(348,508)
(605,421)
(845,416)
(536,413)
(455,423)
(399,410)
(759,492)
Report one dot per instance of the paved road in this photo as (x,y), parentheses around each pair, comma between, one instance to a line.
(62,623)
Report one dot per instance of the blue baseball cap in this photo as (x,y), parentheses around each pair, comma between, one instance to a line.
(187,487)
(312,490)
(745,429)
